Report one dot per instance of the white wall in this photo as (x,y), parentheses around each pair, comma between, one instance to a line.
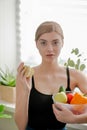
(8,34)
(70,14)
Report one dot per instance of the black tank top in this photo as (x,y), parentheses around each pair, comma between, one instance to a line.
(40,109)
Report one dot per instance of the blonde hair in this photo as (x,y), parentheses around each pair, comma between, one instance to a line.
(48,26)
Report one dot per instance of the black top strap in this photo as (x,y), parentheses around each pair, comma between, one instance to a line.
(68,79)
(32,81)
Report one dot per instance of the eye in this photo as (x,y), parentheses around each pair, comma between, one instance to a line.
(56,42)
(43,43)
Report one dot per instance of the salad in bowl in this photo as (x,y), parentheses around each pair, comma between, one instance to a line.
(74,101)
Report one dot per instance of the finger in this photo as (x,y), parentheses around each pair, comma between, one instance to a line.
(20,67)
(55,111)
(23,71)
(58,106)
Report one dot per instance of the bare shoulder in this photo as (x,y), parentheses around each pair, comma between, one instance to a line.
(80,79)
(77,73)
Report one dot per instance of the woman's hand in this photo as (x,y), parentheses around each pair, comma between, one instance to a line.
(23,87)
(63,114)
(23,79)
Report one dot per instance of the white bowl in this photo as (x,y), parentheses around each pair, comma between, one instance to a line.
(75,108)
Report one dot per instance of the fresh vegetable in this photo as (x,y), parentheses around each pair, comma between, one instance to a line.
(78,98)
(69,97)
(60,97)
(61,89)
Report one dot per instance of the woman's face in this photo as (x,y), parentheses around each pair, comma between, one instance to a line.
(49,46)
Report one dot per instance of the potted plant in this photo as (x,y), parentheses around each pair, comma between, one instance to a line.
(7,86)
(78,61)
(2,112)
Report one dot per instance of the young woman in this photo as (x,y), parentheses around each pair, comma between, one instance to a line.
(34,110)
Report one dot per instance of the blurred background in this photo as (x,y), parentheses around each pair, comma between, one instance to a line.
(19,20)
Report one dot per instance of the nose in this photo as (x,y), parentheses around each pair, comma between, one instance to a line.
(50,48)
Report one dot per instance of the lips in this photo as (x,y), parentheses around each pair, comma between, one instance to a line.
(50,55)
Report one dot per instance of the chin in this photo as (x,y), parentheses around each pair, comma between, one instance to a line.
(50,60)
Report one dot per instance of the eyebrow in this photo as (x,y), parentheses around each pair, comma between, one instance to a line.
(55,40)
(46,40)
(42,40)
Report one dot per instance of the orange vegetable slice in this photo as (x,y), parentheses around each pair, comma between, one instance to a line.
(79,99)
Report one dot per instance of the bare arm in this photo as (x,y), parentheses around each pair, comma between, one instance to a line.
(23,88)
(78,79)
(82,81)
(62,114)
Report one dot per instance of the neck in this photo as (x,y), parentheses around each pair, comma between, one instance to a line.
(49,66)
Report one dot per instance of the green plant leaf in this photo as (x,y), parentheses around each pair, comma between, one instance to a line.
(5,115)
(71,63)
(76,66)
(79,55)
(78,62)
(2,107)
(3,82)
(62,89)
(2,112)
(75,51)
(7,78)
(82,67)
